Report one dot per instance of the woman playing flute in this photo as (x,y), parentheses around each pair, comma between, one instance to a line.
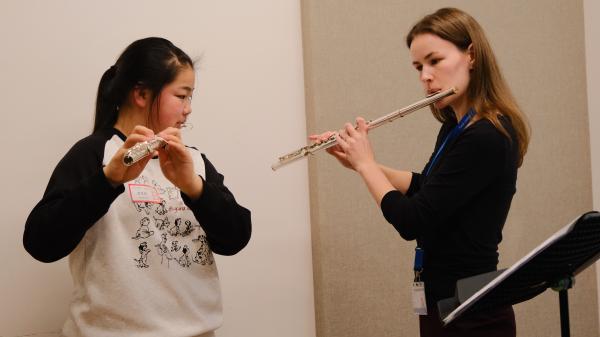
(456,207)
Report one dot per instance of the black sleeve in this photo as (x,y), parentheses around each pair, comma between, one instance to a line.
(415,184)
(227,224)
(77,195)
(474,160)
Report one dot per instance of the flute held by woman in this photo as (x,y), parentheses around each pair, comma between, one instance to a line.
(331,141)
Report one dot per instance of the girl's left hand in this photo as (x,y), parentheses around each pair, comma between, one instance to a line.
(177,164)
(356,145)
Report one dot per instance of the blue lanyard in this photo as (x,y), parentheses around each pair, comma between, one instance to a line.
(418,259)
(453,134)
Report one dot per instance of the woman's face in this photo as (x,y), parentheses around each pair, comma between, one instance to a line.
(441,65)
(175,100)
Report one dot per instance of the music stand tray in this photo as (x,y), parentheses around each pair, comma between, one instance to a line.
(554,263)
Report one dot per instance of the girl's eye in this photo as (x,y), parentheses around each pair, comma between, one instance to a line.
(434,61)
(419,68)
(184,97)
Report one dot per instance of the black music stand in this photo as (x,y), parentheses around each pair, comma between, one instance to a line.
(553,264)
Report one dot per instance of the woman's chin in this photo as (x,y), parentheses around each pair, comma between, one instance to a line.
(440,105)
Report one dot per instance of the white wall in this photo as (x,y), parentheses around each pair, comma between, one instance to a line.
(592,55)
(248,108)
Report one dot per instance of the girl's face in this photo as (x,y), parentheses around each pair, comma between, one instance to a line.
(175,100)
(441,65)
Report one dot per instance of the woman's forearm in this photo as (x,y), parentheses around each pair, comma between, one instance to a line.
(399,179)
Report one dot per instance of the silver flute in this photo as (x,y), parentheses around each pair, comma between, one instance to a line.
(331,141)
(146,148)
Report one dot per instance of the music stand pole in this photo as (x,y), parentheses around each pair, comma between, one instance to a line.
(562,287)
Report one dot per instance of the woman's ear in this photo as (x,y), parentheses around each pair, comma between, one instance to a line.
(471,55)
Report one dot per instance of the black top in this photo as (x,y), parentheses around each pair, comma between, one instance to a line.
(457,212)
(78,194)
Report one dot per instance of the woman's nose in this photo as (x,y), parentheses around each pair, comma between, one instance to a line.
(426,75)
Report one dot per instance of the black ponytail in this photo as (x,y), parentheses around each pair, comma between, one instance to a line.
(107,108)
(150,63)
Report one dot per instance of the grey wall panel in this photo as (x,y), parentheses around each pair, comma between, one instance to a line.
(356,63)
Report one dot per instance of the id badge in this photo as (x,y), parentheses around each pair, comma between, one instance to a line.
(418,298)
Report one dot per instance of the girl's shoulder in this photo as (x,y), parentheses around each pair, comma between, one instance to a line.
(96,140)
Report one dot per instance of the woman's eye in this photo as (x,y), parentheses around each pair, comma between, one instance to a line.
(434,61)
(419,68)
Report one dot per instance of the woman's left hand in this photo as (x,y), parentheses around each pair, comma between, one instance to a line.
(356,145)
(177,164)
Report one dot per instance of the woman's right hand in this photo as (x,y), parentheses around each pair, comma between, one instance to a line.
(335,150)
(118,173)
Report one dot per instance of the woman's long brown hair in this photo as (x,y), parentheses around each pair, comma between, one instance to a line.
(487,92)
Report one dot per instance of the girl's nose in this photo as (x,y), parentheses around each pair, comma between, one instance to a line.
(187,107)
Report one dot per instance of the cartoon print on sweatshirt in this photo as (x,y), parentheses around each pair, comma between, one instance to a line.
(161,208)
(163,250)
(143,206)
(158,188)
(203,255)
(173,193)
(161,223)
(181,227)
(141,180)
(175,247)
(169,206)
(144,231)
(184,259)
(142,262)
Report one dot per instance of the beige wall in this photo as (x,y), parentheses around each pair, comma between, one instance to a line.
(248,108)
(356,63)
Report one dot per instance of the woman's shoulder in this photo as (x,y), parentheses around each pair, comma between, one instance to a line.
(483,133)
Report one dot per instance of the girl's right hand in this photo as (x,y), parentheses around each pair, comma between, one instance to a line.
(335,150)
(118,173)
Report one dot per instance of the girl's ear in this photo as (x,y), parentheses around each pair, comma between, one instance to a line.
(141,96)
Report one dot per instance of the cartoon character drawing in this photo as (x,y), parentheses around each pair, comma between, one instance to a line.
(161,208)
(161,223)
(144,231)
(145,206)
(142,261)
(163,250)
(184,259)
(187,229)
(158,188)
(204,254)
(181,227)
(175,246)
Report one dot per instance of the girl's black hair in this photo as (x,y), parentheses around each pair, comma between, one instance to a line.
(150,63)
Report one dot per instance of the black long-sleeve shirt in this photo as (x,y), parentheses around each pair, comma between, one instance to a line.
(78,195)
(457,212)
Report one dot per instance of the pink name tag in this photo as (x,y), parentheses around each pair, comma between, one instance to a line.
(143,193)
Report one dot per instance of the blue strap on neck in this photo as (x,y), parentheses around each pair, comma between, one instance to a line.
(453,134)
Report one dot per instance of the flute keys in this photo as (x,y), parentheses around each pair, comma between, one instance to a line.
(142,150)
